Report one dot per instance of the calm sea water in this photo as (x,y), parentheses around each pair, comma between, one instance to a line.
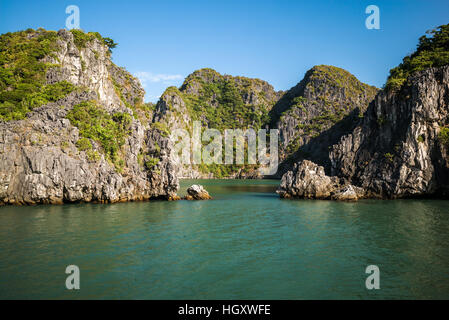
(244,244)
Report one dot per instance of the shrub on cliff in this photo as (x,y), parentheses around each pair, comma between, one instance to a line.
(432,51)
(81,39)
(23,69)
(97,124)
(22,72)
(223,102)
(444,136)
(219,100)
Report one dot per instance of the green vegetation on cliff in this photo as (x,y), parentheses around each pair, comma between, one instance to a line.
(444,136)
(223,101)
(325,96)
(95,123)
(130,93)
(151,163)
(432,51)
(330,90)
(340,78)
(24,57)
(162,128)
(81,39)
(22,72)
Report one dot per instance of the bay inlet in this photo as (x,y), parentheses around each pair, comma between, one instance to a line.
(246,243)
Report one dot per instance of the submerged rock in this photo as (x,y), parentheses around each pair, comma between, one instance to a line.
(197,192)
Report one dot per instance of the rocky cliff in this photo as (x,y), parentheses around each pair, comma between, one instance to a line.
(218,102)
(316,113)
(400,148)
(73,126)
(311,116)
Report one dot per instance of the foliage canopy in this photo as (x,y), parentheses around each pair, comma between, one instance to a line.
(432,51)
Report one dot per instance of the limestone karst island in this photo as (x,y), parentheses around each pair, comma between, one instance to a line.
(75,127)
(136,154)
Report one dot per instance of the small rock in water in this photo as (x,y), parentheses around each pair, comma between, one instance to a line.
(197,192)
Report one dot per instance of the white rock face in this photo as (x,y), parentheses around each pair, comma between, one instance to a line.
(197,192)
(40,161)
(88,67)
(348,193)
(307,180)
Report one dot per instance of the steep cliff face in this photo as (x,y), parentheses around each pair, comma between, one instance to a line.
(311,116)
(218,102)
(400,146)
(314,114)
(74,125)
(400,149)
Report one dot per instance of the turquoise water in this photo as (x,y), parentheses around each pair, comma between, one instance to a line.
(244,244)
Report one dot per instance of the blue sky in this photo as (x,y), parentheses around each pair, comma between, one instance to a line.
(277,41)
